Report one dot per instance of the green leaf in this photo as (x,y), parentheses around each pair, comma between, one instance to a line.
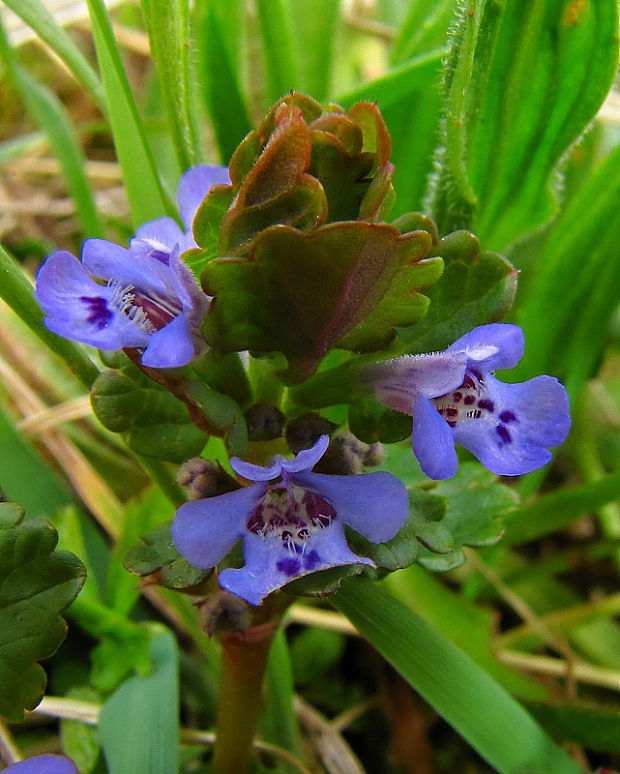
(36,585)
(156,558)
(302,295)
(371,421)
(465,695)
(475,289)
(139,722)
(156,423)
(206,227)
(476,504)
(521,83)
(37,16)
(169,34)
(140,178)
(463,511)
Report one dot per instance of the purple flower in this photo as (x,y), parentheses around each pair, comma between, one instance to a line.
(43,764)
(455,398)
(142,297)
(291,521)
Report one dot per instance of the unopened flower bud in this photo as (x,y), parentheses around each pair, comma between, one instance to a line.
(347,455)
(264,422)
(304,432)
(224,612)
(202,478)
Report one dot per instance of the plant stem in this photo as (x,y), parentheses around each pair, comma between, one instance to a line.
(244,657)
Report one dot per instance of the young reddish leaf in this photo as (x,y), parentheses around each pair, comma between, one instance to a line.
(302,294)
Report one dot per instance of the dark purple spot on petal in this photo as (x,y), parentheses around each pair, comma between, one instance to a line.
(289,567)
(312,560)
(317,508)
(469,399)
(256,522)
(452,423)
(451,412)
(487,405)
(468,383)
(457,396)
(503,433)
(507,416)
(99,314)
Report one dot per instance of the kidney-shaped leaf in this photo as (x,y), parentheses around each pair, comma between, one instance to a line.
(304,294)
(36,585)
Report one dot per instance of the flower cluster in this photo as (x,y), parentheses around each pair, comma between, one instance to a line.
(291,521)
(143,297)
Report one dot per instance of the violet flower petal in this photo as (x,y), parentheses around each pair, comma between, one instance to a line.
(433,441)
(164,230)
(374,504)
(43,764)
(526,420)
(395,381)
(204,531)
(171,346)
(270,564)
(306,459)
(256,472)
(114,263)
(78,308)
(491,347)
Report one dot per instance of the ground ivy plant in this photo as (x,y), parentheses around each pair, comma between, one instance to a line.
(317,366)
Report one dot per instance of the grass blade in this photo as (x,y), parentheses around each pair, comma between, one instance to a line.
(522,81)
(221,86)
(316,25)
(49,113)
(37,16)
(478,708)
(139,722)
(144,191)
(573,287)
(169,33)
(276,26)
